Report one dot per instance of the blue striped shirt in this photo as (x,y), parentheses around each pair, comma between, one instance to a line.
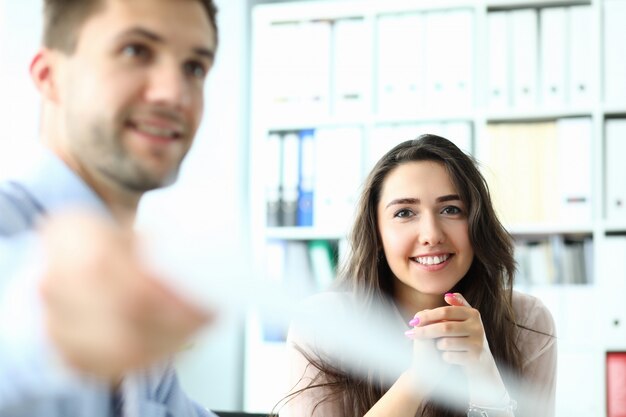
(34,382)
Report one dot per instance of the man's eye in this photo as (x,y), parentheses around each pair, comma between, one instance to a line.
(195,69)
(136,51)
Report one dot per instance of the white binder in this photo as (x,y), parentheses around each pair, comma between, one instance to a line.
(612,261)
(381,139)
(351,67)
(553,49)
(460,132)
(337,176)
(272,163)
(449,52)
(574,150)
(615,174)
(498,71)
(401,64)
(580,88)
(524,44)
(615,52)
(313,70)
(279,68)
(290,178)
(461,61)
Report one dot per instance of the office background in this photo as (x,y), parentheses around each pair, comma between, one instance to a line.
(535,89)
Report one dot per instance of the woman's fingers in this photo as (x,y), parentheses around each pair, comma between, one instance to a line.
(456,299)
(448,313)
(445,329)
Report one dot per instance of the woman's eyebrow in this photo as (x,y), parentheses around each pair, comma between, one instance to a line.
(449,197)
(397,201)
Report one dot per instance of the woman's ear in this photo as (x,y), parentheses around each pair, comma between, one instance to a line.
(42,73)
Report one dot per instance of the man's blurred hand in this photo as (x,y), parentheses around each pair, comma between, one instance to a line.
(104,312)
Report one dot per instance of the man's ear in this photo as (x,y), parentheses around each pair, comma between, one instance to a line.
(43,74)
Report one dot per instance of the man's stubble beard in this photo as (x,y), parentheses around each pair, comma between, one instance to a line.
(115,162)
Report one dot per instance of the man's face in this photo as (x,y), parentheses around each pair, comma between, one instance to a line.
(131,94)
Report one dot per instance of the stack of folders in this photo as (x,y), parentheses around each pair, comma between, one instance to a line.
(293,67)
(424,62)
(540,57)
(325,67)
(299,62)
(556,260)
(312,177)
(540,173)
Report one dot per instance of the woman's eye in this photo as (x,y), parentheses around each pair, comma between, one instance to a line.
(451,210)
(403,213)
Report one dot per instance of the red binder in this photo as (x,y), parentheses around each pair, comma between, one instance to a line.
(616,384)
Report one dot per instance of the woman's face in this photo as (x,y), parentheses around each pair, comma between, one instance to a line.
(424,230)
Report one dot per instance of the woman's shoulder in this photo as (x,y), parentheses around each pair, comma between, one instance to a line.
(532,313)
(535,324)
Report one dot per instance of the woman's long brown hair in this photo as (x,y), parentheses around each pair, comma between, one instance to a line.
(487,286)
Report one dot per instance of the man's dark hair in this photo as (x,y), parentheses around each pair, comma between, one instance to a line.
(63,19)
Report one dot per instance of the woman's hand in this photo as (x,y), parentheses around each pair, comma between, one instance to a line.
(457,333)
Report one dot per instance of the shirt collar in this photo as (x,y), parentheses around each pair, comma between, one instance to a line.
(56,187)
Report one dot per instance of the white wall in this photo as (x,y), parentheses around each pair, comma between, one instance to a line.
(209,198)
(20,32)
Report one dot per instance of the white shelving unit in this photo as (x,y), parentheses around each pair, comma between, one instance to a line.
(587,328)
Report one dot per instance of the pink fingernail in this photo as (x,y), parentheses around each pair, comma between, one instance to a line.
(449,294)
(409,333)
(414,322)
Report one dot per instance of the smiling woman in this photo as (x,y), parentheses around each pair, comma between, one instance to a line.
(424,232)
(426,242)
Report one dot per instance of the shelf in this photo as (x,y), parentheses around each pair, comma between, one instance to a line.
(303,11)
(300,123)
(615,110)
(519,4)
(542,230)
(303,233)
(536,115)
(614,227)
(425,117)
(295,123)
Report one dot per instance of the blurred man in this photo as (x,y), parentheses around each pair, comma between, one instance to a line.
(87,330)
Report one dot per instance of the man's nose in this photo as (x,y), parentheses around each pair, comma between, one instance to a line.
(168,86)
